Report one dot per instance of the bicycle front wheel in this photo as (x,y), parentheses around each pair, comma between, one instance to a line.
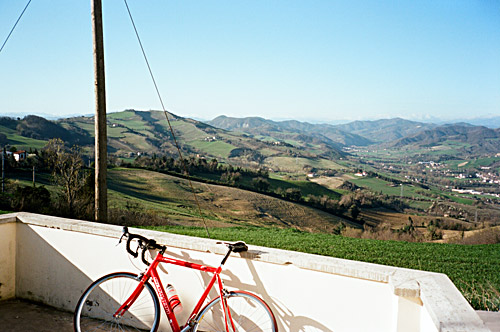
(247,312)
(98,304)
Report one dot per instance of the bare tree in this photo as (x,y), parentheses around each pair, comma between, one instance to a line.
(67,169)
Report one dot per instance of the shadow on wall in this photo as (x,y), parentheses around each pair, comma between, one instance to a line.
(45,271)
(286,319)
(35,277)
(47,276)
(284,315)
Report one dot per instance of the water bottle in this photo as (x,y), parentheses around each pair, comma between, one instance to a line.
(173,299)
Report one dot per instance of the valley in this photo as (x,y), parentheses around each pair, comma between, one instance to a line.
(371,176)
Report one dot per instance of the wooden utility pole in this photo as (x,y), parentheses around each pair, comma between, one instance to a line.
(3,169)
(101,191)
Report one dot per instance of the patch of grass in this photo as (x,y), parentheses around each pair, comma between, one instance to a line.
(306,188)
(421,205)
(471,268)
(216,148)
(387,188)
(474,163)
(297,164)
(460,200)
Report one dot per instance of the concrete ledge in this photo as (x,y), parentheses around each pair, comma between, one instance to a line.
(445,305)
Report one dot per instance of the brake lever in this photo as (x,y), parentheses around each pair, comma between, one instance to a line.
(121,238)
(140,246)
(124,234)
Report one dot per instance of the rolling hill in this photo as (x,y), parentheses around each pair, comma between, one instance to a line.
(172,198)
(385,130)
(290,130)
(289,146)
(474,139)
(358,133)
(132,133)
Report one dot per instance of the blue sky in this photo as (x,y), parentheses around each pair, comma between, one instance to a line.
(306,60)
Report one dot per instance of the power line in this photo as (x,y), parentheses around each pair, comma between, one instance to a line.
(15,24)
(166,116)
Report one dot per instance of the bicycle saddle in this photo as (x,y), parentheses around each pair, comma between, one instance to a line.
(238,247)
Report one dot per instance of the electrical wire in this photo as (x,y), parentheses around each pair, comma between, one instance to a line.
(15,24)
(166,116)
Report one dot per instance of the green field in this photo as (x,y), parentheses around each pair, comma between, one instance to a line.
(387,188)
(409,191)
(473,268)
(306,188)
(449,148)
(297,164)
(475,163)
(216,148)
(150,191)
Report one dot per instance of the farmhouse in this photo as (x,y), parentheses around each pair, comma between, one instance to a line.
(20,155)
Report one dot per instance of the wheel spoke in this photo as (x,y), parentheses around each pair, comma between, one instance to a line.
(248,314)
(97,306)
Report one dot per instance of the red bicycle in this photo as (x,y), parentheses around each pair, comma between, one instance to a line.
(126,301)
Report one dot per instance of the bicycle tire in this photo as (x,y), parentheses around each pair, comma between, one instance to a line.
(95,309)
(249,313)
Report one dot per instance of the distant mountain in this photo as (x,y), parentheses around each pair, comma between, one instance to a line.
(290,130)
(477,139)
(490,122)
(385,130)
(359,133)
(20,115)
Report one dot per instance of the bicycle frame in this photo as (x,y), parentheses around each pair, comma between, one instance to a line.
(153,274)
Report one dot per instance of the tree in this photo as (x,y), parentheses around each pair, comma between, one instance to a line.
(67,169)
(230,177)
(261,184)
(293,194)
(354,211)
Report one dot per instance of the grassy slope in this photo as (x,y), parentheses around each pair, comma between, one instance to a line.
(409,191)
(172,197)
(21,142)
(473,269)
(293,164)
(135,131)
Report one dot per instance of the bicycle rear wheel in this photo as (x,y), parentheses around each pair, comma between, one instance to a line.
(248,313)
(95,309)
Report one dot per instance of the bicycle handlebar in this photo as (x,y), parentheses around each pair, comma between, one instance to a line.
(144,244)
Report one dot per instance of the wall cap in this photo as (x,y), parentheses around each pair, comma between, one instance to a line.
(444,302)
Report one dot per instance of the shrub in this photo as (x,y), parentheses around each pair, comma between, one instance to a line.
(31,199)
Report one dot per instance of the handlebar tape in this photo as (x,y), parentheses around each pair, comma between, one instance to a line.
(141,239)
(144,244)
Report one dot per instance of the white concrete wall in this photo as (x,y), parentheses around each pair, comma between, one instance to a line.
(7,259)
(56,259)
